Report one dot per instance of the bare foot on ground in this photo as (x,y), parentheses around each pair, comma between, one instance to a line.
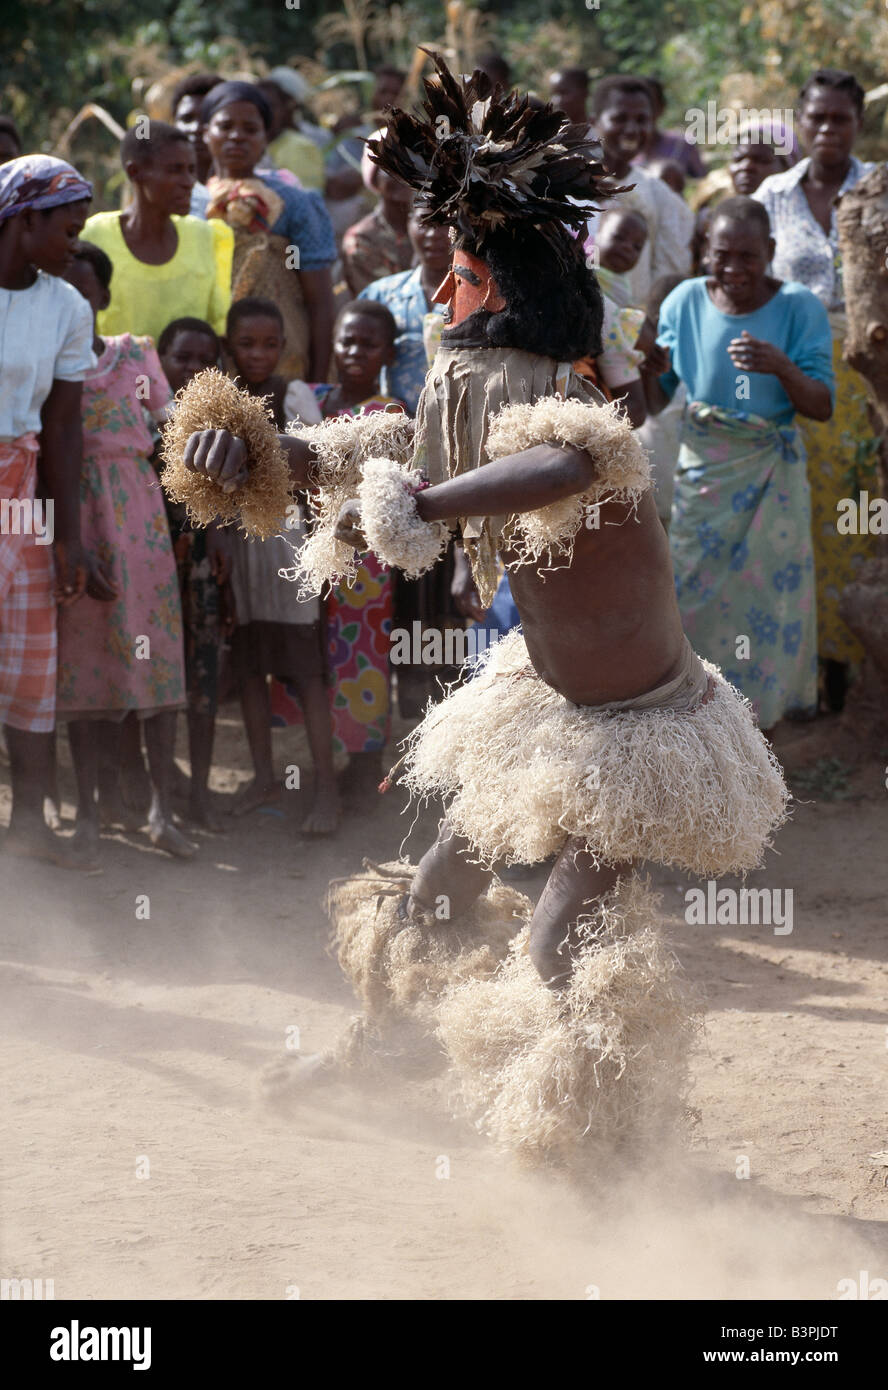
(113,811)
(200,813)
(164,835)
(85,843)
(325,813)
(42,844)
(253,795)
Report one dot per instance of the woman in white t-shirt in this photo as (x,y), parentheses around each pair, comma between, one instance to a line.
(45,351)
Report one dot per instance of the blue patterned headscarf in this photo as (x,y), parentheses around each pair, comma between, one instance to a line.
(39,181)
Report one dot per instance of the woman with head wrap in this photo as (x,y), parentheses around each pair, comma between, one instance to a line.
(45,353)
(842,451)
(284,245)
(289,150)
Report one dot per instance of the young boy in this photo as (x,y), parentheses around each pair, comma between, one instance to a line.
(364,343)
(188,346)
(275,634)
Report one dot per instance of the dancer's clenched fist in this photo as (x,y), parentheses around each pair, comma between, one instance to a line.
(219,455)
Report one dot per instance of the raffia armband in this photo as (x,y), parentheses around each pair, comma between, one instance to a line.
(342,445)
(391,523)
(211,401)
(604,432)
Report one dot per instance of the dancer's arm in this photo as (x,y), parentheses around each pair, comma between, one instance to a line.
(517,483)
(222,457)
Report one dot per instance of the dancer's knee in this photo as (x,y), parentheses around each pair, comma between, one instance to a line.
(574,889)
(445,881)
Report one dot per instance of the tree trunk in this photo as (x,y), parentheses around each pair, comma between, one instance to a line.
(863,242)
(864,607)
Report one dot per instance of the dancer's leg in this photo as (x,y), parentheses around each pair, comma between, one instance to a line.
(445,872)
(571,888)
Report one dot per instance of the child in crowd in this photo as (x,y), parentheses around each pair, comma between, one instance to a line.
(124,655)
(619,242)
(166,263)
(661,434)
(359,618)
(409,296)
(671,173)
(188,346)
(275,634)
(45,352)
(378,245)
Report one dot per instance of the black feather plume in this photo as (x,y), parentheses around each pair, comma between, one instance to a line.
(483,162)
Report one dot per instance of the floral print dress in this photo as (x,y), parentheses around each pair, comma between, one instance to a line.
(127,654)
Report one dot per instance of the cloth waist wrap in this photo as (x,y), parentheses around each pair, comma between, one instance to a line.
(679,776)
(18,482)
(463,390)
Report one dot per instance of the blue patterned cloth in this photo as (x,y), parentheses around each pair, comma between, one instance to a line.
(743,558)
(304,221)
(804,252)
(404,295)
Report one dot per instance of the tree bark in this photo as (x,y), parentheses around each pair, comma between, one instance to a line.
(863,243)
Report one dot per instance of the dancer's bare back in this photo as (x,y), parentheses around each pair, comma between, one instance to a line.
(605,626)
(602,626)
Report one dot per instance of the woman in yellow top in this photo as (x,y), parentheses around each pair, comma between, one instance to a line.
(167,265)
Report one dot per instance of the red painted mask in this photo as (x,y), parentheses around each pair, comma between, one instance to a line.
(468,286)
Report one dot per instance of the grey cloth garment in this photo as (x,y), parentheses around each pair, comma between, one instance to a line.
(260,594)
(464,388)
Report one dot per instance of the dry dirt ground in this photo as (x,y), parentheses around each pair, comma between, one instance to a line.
(142,1158)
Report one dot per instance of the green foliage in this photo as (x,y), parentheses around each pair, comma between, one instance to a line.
(56,55)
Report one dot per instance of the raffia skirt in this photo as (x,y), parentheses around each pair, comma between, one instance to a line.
(680,776)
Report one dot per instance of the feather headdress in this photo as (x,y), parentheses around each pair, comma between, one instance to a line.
(482,161)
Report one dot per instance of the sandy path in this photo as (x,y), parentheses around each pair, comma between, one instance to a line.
(128,1040)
